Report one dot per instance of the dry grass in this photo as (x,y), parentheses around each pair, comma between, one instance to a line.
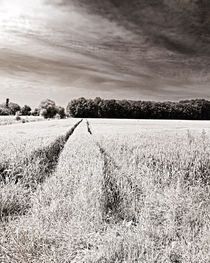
(23,167)
(114,197)
(7,120)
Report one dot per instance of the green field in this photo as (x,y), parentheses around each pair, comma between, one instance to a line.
(105,191)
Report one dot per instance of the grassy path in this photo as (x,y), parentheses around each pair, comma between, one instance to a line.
(21,180)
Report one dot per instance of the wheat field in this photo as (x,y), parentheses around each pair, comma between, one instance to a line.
(7,120)
(101,191)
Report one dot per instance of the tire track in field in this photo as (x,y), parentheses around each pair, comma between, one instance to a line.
(43,159)
(47,157)
(29,174)
(111,192)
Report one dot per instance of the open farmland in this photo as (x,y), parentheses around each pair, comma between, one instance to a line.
(105,191)
(7,120)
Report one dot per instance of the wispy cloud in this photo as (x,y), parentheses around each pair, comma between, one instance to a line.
(66,49)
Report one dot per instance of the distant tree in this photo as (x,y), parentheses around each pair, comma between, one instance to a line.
(5,111)
(44,113)
(188,109)
(46,103)
(92,108)
(60,112)
(35,112)
(77,108)
(47,108)
(97,100)
(14,107)
(204,108)
(71,109)
(9,109)
(125,108)
(25,110)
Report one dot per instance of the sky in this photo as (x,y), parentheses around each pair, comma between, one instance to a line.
(137,49)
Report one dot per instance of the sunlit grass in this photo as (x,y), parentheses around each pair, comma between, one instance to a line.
(7,120)
(117,197)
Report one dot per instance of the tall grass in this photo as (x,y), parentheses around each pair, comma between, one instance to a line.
(118,198)
(8,120)
(62,206)
(20,178)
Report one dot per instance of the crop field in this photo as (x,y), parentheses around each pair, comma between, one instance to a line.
(105,191)
(7,120)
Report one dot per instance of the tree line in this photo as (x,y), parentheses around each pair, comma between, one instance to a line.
(195,109)
(47,108)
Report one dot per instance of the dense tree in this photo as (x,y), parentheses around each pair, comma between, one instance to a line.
(25,110)
(9,109)
(78,108)
(61,112)
(48,109)
(198,109)
(5,111)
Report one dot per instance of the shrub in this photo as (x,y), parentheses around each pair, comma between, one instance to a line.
(35,112)
(57,116)
(17,116)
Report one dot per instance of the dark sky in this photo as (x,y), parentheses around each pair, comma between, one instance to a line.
(136,49)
